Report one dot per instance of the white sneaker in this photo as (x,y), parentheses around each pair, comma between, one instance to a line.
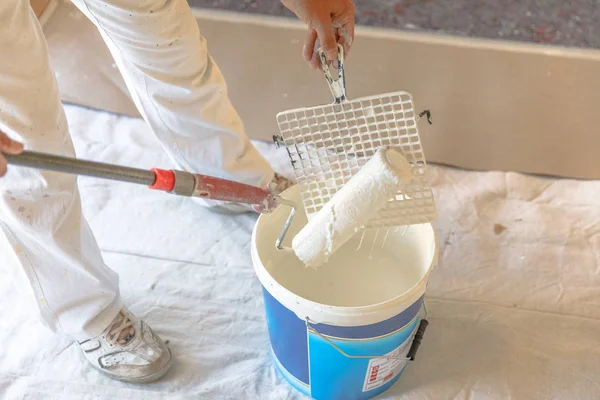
(128,350)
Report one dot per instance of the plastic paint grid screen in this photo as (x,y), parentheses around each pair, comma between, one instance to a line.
(328,144)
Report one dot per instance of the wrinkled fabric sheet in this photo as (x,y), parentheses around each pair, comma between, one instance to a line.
(514,305)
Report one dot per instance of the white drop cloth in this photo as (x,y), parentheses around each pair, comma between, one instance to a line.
(513,315)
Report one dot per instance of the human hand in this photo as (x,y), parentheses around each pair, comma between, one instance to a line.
(329,22)
(9,147)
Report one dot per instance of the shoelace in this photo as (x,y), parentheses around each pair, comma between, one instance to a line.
(118,328)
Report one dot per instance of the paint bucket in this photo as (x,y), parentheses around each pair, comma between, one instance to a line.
(344,330)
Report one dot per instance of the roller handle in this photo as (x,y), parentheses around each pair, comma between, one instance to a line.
(212,188)
(177,182)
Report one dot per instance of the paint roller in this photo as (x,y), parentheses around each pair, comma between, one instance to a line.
(359,200)
(348,210)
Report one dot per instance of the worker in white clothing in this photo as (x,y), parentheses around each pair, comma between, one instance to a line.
(181,94)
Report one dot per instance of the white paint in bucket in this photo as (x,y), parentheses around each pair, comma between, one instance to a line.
(351,284)
(367,305)
(351,278)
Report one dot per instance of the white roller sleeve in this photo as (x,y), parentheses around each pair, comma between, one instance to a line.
(352,207)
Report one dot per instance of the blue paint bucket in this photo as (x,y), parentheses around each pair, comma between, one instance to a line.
(345,329)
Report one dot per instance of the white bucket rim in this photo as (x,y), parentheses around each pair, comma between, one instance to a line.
(339,315)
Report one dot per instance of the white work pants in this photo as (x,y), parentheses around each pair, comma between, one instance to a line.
(181,94)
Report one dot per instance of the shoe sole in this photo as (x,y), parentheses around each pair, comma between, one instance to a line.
(143,379)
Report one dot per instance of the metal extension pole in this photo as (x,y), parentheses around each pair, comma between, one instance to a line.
(68,165)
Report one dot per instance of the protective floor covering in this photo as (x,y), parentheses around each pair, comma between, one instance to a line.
(514,305)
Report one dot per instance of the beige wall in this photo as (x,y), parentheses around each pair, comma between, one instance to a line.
(495,105)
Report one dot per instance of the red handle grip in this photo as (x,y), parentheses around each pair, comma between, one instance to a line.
(212,188)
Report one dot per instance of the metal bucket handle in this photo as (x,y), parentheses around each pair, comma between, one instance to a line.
(410,356)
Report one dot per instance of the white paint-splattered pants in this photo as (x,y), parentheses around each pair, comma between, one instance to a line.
(182,96)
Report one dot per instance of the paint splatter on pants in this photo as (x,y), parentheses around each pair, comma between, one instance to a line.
(181,94)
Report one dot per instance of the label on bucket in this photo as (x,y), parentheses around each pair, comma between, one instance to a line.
(382,370)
